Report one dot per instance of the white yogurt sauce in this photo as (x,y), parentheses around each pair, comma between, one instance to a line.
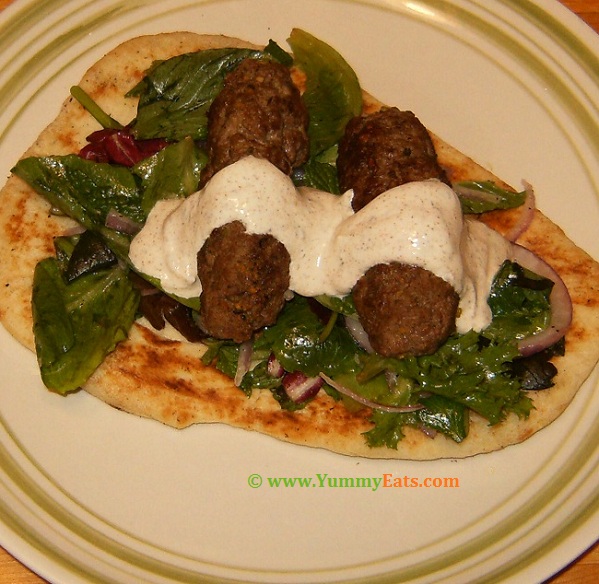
(330,246)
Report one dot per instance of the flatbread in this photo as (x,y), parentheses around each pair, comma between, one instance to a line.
(162,378)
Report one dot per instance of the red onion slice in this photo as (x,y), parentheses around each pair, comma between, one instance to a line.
(561,303)
(526,215)
(356,330)
(118,222)
(243,361)
(75,230)
(365,401)
(274,368)
(299,387)
(150,291)
(427,431)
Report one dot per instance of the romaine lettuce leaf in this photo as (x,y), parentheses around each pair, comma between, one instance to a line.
(84,190)
(319,175)
(333,95)
(76,325)
(174,172)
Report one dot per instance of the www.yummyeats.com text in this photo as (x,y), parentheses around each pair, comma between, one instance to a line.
(373,483)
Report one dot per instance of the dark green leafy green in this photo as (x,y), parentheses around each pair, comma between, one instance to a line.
(175,95)
(278,54)
(483,196)
(76,325)
(343,305)
(174,172)
(295,340)
(519,301)
(90,254)
(320,175)
(333,95)
(439,414)
(63,249)
(377,388)
(536,371)
(469,371)
(84,190)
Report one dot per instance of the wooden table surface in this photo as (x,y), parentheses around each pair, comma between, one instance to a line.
(584,570)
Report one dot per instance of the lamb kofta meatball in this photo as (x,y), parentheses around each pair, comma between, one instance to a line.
(384,150)
(244,279)
(259,112)
(405,310)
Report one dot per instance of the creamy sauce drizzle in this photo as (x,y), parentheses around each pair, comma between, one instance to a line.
(330,246)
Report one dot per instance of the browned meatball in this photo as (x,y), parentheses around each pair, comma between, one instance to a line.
(384,150)
(405,310)
(259,112)
(244,279)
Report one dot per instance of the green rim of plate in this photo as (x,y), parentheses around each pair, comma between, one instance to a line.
(27,14)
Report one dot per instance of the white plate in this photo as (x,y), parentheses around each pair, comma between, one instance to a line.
(89,494)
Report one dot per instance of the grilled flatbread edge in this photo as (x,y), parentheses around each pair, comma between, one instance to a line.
(162,378)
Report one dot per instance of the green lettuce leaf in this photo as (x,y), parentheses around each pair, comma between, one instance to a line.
(172,173)
(333,95)
(483,196)
(519,301)
(439,414)
(76,325)
(175,95)
(296,341)
(320,175)
(84,190)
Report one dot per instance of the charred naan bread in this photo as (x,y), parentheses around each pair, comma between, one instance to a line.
(163,379)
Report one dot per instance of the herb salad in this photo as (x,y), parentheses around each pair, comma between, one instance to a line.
(86,298)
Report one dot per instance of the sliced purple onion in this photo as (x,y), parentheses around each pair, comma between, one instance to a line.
(118,222)
(244,361)
(427,431)
(149,291)
(365,401)
(561,303)
(355,328)
(391,377)
(299,387)
(526,215)
(142,285)
(274,368)
(75,230)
